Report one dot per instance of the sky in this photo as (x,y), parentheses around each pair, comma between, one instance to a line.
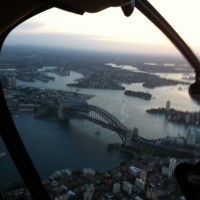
(110,30)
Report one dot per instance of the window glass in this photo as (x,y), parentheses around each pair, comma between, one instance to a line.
(101,103)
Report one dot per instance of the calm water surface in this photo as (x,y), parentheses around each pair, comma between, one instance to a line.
(77,144)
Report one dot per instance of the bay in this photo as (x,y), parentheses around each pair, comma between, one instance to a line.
(78,143)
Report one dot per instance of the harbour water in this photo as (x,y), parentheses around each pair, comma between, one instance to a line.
(78,143)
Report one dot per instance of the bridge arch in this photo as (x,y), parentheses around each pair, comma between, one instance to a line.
(99,116)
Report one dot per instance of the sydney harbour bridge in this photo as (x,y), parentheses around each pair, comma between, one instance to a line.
(73,107)
(99,116)
(95,114)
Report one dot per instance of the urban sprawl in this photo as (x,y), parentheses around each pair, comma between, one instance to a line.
(145,177)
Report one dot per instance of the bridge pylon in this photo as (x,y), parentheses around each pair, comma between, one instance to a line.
(132,135)
(128,137)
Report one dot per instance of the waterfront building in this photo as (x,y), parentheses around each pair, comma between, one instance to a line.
(168,105)
(73,101)
(191,138)
(89,171)
(58,173)
(116,188)
(26,107)
(139,183)
(68,171)
(127,187)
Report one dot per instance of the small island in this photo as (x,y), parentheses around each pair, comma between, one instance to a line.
(143,95)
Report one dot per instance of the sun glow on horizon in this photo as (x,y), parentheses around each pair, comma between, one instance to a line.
(110,26)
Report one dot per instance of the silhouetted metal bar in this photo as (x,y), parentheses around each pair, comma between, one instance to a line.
(18,152)
(152,14)
(62,5)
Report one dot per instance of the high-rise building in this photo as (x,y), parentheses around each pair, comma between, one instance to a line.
(127,187)
(187,118)
(191,138)
(139,183)
(168,105)
(143,176)
(116,188)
